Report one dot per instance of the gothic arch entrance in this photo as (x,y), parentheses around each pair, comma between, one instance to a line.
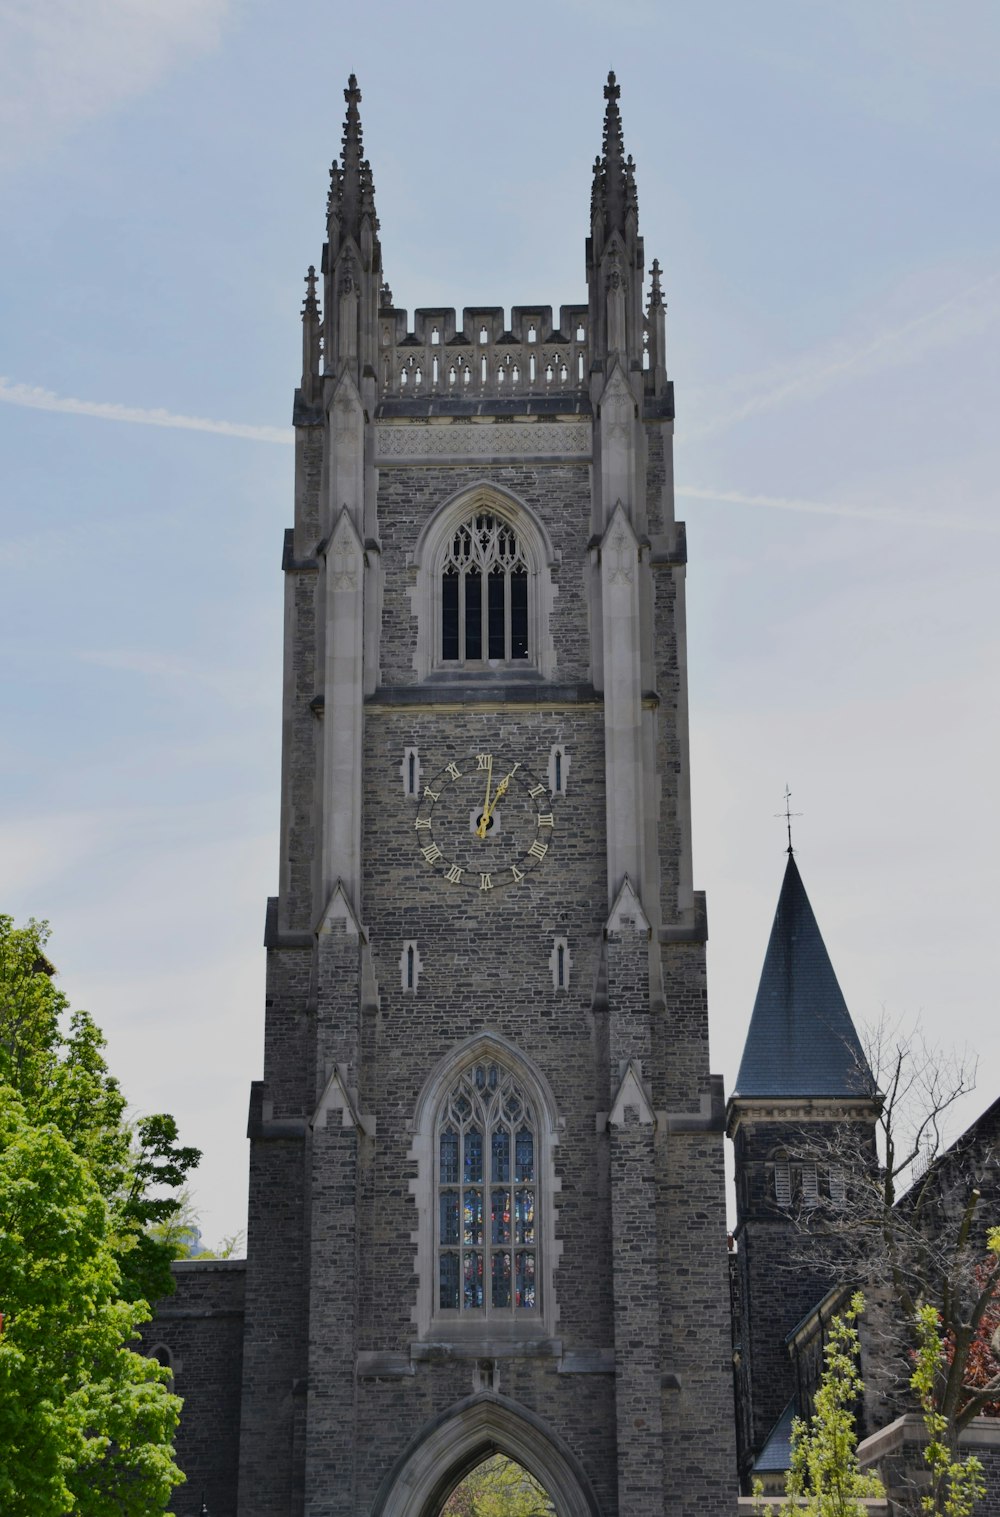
(455,1443)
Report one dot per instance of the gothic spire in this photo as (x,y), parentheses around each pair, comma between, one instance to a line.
(614,176)
(352,190)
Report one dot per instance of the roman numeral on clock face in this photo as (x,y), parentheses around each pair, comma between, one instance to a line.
(536,790)
(453,770)
(431,853)
(483,760)
(454,874)
(538,850)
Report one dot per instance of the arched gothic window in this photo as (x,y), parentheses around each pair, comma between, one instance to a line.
(486,1227)
(484,593)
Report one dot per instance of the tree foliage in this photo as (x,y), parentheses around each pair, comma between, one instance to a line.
(982,1369)
(824,1478)
(85,1423)
(499,1487)
(956,1484)
(54,1060)
(907,1227)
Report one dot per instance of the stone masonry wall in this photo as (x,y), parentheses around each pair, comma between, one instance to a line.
(559,494)
(201,1327)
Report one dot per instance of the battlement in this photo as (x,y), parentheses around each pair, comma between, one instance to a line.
(485,356)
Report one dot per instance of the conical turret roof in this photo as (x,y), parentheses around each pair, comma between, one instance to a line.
(802,1041)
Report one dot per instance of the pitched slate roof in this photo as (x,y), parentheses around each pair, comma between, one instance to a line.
(776,1455)
(801,1041)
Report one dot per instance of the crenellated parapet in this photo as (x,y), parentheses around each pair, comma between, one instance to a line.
(484,356)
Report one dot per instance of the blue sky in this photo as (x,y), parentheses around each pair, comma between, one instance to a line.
(820,184)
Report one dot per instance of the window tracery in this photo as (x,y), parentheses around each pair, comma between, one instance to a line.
(486,1229)
(484,593)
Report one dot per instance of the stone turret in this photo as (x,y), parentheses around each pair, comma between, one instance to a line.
(803,1076)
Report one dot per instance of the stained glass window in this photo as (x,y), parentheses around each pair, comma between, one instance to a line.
(484,593)
(486,1227)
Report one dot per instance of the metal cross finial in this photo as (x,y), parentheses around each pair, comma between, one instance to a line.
(787,815)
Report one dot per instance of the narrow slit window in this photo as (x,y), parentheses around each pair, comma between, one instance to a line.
(561,967)
(782,1181)
(810,1186)
(410,957)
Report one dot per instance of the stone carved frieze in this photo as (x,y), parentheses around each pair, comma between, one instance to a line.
(474,440)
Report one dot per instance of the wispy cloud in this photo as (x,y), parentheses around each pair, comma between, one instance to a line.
(963,315)
(65,62)
(887,515)
(39,399)
(238,687)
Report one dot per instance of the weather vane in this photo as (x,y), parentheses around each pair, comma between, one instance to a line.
(787,815)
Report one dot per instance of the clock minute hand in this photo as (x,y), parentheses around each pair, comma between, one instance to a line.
(500,792)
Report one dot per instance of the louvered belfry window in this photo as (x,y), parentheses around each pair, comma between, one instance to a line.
(484,593)
(486,1188)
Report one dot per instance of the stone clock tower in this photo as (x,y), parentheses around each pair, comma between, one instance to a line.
(486,1189)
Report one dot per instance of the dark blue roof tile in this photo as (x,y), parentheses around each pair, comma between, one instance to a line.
(802,1041)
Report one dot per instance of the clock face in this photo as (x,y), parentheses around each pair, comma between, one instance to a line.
(484,822)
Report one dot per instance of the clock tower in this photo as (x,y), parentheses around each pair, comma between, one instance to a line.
(486,1190)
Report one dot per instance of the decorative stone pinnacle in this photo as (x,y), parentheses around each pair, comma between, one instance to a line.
(655,293)
(385,294)
(309,305)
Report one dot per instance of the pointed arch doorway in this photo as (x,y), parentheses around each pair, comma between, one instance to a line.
(454,1444)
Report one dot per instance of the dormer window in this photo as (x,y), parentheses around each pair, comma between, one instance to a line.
(484,593)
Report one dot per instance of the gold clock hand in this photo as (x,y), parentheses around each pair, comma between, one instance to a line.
(484,820)
(499,793)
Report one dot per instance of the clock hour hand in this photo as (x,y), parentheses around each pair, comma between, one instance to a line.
(484,820)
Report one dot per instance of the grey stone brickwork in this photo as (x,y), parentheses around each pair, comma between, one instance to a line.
(896,1454)
(198,1333)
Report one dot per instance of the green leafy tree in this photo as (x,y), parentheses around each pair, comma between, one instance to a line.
(906,1226)
(956,1483)
(54,1060)
(825,1479)
(86,1424)
(499,1487)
